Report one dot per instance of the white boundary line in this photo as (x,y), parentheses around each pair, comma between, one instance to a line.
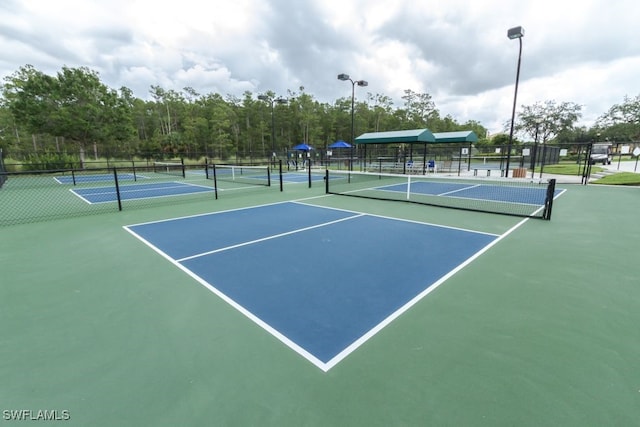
(110,190)
(73,191)
(208,213)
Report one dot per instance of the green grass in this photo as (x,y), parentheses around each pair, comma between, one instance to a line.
(622,178)
(568,169)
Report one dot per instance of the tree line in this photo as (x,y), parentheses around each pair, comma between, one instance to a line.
(73,111)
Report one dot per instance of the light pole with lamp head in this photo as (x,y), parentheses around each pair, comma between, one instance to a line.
(345,77)
(271,101)
(514,33)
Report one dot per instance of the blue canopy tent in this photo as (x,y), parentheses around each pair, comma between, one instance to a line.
(303,147)
(340,144)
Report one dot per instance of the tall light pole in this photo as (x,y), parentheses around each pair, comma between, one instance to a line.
(272,101)
(514,33)
(345,77)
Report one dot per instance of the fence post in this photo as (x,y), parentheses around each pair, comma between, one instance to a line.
(115,178)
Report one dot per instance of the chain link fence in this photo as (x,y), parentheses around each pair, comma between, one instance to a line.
(31,196)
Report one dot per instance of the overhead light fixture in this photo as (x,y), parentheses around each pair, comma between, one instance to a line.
(345,77)
(515,32)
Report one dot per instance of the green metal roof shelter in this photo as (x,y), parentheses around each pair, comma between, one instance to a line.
(453,137)
(417,136)
(397,136)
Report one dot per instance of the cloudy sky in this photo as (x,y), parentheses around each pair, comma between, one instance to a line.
(457,51)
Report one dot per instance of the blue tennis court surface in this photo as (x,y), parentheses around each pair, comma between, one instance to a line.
(301,177)
(138,191)
(105,177)
(321,280)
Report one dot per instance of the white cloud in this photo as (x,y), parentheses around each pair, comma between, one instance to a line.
(457,50)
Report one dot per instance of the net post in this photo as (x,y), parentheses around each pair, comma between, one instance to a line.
(73,176)
(326,181)
(268,176)
(309,171)
(215,180)
(548,203)
(184,175)
(280,173)
(206,168)
(115,179)
(133,168)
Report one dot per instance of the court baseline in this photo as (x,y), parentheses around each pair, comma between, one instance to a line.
(138,191)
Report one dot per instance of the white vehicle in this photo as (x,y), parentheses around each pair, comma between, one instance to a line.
(601,153)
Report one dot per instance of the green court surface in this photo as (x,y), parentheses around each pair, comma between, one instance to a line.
(542,329)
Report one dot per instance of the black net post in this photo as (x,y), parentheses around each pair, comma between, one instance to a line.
(548,204)
(215,180)
(184,175)
(280,173)
(309,171)
(326,181)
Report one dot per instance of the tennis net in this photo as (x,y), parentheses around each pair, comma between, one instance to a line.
(507,196)
(169,168)
(241,174)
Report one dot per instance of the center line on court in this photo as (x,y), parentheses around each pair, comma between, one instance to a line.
(267,238)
